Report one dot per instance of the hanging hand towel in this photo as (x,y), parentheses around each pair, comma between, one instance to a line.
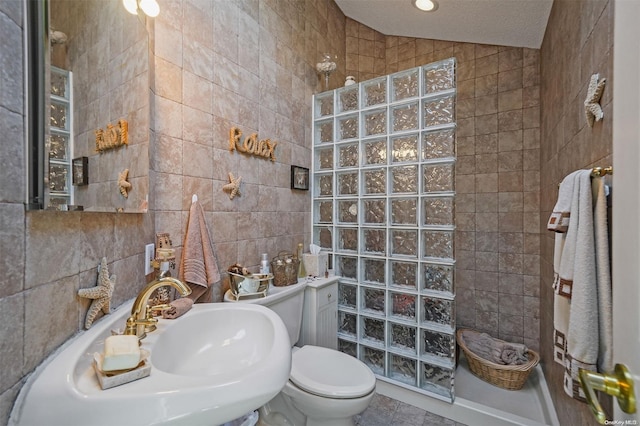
(198,266)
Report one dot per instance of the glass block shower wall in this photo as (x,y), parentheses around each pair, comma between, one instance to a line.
(383,206)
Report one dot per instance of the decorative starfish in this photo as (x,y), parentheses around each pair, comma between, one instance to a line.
(125,186)
(101,294)
(592,108)
(233,187)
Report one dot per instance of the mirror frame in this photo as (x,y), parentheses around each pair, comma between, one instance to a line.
(36,42)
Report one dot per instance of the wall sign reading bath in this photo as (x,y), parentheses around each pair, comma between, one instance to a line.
(251,145)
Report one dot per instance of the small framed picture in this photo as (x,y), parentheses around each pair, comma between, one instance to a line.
(299,178)
(80,169)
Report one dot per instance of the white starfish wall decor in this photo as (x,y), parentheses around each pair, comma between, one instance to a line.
(592,108)
(101,294)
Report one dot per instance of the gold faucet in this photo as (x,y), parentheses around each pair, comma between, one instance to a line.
(141,317)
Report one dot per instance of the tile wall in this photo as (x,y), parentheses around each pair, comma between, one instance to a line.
(578,43)
(497,172)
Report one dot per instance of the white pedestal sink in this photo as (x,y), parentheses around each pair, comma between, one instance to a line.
(212,365)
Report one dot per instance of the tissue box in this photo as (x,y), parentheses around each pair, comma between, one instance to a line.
(315,264)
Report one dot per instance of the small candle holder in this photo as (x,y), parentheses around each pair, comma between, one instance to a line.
(326,67)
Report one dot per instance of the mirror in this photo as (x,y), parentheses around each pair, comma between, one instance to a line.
(91,148)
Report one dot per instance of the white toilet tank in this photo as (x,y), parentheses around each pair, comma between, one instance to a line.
(286,301)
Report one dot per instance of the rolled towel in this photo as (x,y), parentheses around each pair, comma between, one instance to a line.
(178,308)
(514,354)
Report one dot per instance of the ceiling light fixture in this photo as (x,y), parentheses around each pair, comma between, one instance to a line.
(426,5)
(149,7)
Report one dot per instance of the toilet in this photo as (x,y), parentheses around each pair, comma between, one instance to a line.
(325,387)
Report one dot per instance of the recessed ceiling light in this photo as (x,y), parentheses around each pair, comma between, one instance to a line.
(426,5)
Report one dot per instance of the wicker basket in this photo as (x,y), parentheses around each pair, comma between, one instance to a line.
(285,269)
(511,377)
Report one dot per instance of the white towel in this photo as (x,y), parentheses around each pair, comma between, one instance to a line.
(559,219)
(580,308)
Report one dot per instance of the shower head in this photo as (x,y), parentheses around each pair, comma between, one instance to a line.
(57,37)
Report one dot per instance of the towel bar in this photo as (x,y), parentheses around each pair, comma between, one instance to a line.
(600,172)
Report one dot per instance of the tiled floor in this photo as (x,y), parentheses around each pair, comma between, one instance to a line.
(385,411)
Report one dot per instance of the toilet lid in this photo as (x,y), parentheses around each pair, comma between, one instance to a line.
(326,372)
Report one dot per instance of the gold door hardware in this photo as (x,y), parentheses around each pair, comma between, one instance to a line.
(618,384)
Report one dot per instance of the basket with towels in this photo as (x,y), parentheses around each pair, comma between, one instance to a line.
(503,364)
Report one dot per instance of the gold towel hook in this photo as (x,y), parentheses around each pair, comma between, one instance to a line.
(601,171)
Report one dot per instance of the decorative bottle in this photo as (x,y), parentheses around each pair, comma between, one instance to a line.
(301,272)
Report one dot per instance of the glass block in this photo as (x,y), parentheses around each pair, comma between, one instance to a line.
(438,178)
(58,118)
(372,330)
(348,183)
(58,203)
(437,379)
(375,181)
(375,241)
(375,122)
(403,306)
(404,211)
(437,211)
(439,76)
(374,271)
(347,239)
(438,144)
(324,131)
(375,151)
(437,344)
(404,117)
(438,277)
(404,148)
(348,211)
(324,159)
(439,111)
(348,155)
(347,267)
(348,127)
(348,98)
(438,244)
(347,323)
(438,311)
(373,358)
(324,211)
(374,211)
(58,146)
(59,177)
(323,237)
(404,274)
(347,295)
(324,104)
(404,85)
(404,242)
(59,84)
(372,300)
(402,337)
(374,92)
(324,185)
(403,369)
(347,347)
(404,179)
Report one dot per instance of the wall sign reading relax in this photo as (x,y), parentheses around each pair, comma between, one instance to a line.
(251,145)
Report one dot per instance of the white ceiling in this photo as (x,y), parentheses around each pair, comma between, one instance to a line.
(519,23)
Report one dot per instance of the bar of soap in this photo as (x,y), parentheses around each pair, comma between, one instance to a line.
(120,353)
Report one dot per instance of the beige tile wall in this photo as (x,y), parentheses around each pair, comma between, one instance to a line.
(578,42)
(497,177)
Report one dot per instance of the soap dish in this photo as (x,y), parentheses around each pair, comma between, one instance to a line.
(110,379)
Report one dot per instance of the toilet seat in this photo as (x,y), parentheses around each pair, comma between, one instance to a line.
(329,373)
